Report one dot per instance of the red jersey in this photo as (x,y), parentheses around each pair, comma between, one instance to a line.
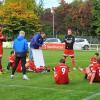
(93,60)
(31,65)
(2,39)
(61,74)
(11,58)
(96,70)
(12,61)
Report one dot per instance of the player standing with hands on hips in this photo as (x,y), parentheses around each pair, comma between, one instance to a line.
(69,42)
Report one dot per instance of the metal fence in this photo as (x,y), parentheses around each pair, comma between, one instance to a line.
(91,39)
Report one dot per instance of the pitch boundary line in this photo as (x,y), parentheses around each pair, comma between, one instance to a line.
(34,87)
(91,96)
(52,89)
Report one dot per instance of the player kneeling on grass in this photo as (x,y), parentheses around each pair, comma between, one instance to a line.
(61,73)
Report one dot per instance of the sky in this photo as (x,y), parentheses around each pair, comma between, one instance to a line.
(53,3)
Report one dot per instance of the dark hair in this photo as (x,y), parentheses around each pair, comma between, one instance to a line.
(98,60)
(62,61)
(11,52)
(97,54)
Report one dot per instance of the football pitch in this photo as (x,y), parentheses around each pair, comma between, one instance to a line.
(41,86)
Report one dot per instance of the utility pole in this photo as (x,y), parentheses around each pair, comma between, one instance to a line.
(3,2)
(53,19)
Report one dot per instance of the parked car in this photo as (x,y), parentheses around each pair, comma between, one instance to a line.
(52,40)
(81,43)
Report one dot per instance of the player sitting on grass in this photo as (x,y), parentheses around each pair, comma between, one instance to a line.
(92,73)
(61,73)
(30,66)
(95,72)
(93,61)
(11,60)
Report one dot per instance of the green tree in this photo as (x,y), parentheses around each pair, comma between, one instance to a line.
(76,15)
(18,15)
(96,17)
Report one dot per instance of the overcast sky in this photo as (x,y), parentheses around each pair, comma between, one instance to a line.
(52,3)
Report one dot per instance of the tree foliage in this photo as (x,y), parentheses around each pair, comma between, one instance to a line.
(96,16)
(18,15)
(76,15)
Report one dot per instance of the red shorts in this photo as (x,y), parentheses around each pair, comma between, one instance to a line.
(96,79)
(61,80)
(69,53)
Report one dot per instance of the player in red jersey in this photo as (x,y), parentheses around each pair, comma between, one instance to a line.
(11,60)
(61,73)
(2,39)
(69,42)
(93,59)
(30,65)
(92,73)
(95,72)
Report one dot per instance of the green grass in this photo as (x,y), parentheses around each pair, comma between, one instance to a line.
(42,87)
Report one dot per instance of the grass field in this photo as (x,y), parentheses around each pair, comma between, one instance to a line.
(41,86)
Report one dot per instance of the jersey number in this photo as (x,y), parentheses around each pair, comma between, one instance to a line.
(63,70)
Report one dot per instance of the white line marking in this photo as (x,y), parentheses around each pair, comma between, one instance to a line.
(71,92)
(91,96)
(34,87)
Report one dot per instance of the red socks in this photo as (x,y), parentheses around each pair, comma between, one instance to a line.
(73,62)
(0,67)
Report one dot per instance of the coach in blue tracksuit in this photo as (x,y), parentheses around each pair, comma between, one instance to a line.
(20,47)
(35,45)
(37,40)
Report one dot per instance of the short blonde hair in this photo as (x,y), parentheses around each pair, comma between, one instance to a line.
(22,33)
